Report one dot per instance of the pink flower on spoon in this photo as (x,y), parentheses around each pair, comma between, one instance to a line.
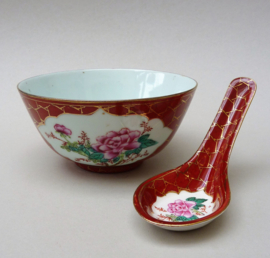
(181,208)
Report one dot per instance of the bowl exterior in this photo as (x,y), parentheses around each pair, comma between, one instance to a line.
(108,136)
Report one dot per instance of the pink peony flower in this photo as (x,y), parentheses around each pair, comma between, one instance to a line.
(62,129)
(113,143)
(181,208)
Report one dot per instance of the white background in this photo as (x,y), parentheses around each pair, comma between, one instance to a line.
(52,208)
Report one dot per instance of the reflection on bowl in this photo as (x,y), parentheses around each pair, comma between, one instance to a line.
(107,120)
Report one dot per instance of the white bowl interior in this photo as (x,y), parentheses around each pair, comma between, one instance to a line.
(97,85)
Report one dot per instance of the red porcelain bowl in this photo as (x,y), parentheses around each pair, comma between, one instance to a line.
(107,120)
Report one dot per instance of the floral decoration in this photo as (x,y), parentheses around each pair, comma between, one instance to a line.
(113,143)
(62,129)
(114,148)
(181,210)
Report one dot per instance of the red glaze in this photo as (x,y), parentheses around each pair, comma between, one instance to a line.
(207,169)
(111,169)
(170,109)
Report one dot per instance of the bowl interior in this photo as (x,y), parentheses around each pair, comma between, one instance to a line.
(99,85)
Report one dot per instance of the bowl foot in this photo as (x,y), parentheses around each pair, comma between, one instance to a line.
(109,169)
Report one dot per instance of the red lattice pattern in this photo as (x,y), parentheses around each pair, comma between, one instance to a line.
(207,169)
(170,110)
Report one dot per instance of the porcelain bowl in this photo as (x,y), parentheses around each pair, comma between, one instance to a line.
(107,120)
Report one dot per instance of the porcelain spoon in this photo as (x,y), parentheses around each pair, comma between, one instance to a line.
(195,193)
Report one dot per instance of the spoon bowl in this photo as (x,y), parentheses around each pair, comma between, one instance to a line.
(195,193)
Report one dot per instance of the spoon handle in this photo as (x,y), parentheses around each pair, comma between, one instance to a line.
(218,143)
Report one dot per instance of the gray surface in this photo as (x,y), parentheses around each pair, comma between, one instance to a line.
(51,208)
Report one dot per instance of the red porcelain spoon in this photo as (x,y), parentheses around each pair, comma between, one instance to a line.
(192,195)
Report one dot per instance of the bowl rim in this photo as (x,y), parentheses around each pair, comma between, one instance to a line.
(105,101)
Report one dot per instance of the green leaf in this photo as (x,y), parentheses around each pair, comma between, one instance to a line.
(84,150)
(65,148)
(88,145)
(192,199)
(115,160)
(81,147)
(91,149)
(104,160)
(200,200)
(73,144)
(193,217)
(136,151)
(82,153)
(148,143)
(96,156)
(143,138)
(128,152)
(182,218)
(198,206)
(73,148)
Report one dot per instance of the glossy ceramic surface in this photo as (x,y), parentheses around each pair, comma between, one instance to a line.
(103,135)
(108,85)
(192,195)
